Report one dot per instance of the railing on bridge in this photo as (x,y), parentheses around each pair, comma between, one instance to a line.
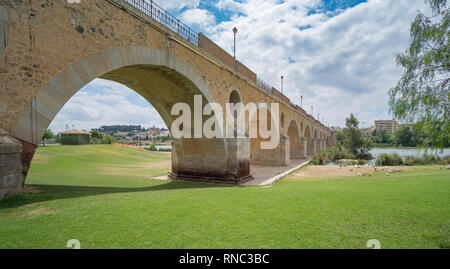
(160,15)
(264,85)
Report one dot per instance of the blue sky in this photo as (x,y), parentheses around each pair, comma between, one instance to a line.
(337,54)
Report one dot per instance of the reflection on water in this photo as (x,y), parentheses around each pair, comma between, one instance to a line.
(408,152)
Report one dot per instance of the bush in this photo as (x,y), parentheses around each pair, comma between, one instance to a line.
(331,154)
(107,139)
(152,147)
(389,159)
(319,159)
(426,159)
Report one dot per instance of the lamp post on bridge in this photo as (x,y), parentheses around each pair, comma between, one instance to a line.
(301,101)
(282,77)
(234,47)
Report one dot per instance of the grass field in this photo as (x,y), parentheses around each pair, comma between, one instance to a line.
(105,197)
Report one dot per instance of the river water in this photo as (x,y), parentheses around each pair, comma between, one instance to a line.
(408,151)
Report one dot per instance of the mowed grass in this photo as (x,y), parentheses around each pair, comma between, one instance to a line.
(105,197)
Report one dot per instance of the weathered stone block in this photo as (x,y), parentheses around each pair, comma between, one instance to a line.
(10,165)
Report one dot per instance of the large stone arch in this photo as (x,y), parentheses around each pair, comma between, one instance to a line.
(293,133)
(275,156)
(161,79)
(315,140)
(309,140)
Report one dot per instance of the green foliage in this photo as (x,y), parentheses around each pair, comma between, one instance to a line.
(354,141)
(331,154)
(389,159)
(152,147)
(381,137)
(108,139)
(47,135)
(96,134)
(425,159)
(406,136)
(422,95)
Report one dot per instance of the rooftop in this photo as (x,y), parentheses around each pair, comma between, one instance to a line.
(75,132)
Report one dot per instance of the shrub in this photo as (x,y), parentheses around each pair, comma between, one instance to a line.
(152,147)
(108,139)
(331,154)
(389,159)
(319,159)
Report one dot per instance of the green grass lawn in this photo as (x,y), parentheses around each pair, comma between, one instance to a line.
(105,197)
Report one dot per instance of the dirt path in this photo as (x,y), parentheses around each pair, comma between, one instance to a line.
(336,171)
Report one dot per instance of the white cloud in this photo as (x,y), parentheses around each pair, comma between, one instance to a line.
(178,4)
(340,64)
(200,17)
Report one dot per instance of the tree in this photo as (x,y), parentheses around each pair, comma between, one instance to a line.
(354,140)
(422,95)
(47,135)
(352,134)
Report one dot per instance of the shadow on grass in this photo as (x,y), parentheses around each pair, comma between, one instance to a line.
(57,192)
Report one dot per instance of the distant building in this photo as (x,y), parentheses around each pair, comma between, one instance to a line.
(75,137)
(386,125)
(154,131)
(336,129)
(368,131)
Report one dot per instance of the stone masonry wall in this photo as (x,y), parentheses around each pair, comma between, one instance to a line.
(10,165)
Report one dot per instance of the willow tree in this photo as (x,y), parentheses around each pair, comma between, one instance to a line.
(422,94)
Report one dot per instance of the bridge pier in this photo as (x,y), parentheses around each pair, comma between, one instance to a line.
(278,156)
(210,160)
(11,179)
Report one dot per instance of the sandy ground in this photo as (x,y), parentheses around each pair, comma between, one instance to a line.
(332,171)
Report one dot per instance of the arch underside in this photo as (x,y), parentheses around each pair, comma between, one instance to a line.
(295,141)
(161,79)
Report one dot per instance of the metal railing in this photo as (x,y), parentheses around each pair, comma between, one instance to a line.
(264,85)
(151,9)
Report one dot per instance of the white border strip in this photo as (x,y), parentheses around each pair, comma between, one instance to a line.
(277,177)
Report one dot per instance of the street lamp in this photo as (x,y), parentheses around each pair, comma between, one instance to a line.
(301,101)
(234,47)
(282,84)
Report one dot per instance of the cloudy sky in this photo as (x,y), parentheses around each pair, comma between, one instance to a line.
(337,54)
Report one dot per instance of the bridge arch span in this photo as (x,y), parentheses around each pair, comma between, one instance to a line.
(293,133)
(161,79)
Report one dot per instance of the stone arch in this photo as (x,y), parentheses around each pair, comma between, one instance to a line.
(309,140)
(161,79)
(234,96)
(293,133)
(315,140)
(275,156)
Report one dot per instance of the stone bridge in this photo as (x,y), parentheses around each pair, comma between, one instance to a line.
(50,49)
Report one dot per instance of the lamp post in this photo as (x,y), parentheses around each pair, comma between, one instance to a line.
(301,101)
(312,111)
(282,77)
(234,47)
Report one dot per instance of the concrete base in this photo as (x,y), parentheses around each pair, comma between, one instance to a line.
(228,181)
(10,165)
(265,175)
